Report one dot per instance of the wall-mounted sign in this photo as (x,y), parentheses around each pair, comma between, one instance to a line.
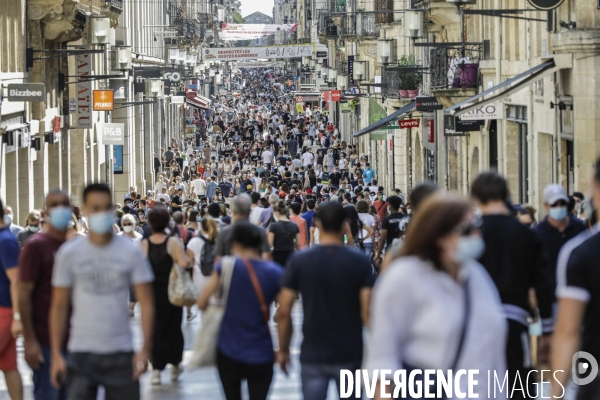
(252,53)
(56,124)
(427,103)
(430,131)
(378,136)
(351,68)
(26,92)
(321,54)
(351,93)
(83,116)
(140,76)
(453,124)
(409,123)
(177,99)
(545,4)
(118,159)
(72,105)
(489,111)
(112,134)
(336,95)
(104,100)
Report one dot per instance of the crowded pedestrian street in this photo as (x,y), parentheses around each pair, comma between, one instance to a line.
(299,200)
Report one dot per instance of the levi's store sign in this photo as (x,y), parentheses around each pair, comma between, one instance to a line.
(409,123)
(427,103)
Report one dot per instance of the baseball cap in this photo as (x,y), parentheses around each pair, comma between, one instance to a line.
(554,193)
(282,194)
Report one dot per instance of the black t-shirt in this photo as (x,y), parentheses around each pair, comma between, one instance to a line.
(579,279)
(282,160)
(395,224)
(285,233)
(514,259)
(334,179)
(330,279)
(177,200)
(225,188)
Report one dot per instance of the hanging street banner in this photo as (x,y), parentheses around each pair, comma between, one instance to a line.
(265,64)
(253,53)
(253,31)
(376,112)
(83,115)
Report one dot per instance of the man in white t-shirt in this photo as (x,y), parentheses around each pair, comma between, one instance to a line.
(307,158)
(267,157)
(198,186)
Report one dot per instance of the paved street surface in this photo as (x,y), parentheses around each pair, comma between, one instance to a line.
(202,383)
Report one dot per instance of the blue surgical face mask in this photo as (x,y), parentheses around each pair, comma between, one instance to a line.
(558,213)
(469,248)
(8,219)
(60,217)
(101,223)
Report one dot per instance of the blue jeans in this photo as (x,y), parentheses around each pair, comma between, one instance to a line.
(42,388)
(316,377)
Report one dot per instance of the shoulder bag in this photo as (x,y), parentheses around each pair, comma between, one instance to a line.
(205,346)
(264,308)
(181,289)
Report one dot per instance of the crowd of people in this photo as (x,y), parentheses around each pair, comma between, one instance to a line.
(285,211)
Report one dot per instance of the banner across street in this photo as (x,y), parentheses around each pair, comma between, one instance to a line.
(253,31)
(253,53)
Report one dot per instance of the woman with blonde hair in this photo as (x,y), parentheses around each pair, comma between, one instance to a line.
(264,187)
(443,300)
(128,223)
(207,233)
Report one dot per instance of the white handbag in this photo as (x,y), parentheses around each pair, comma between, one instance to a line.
(205,346)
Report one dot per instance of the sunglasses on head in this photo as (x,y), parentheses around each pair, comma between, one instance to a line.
(467,228)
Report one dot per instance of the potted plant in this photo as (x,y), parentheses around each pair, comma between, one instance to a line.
(409,80)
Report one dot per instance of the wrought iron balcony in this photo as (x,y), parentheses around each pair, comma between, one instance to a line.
(348,26)
(455,68)
(390,80)
(115,5)
(368,27)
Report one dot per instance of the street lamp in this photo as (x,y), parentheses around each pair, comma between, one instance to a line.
(324,72)
(384,50)
(413,23)
(182,57)
(342,82)
(313,64)
(359,70)
(332,75)
(173,55)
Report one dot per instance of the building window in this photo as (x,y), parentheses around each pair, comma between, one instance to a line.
(384,5)
(518,115)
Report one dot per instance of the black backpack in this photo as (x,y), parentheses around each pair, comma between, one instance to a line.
(327,142)
(325,177)
(207,256)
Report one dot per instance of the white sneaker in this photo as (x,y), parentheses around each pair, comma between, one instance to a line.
(175,372)
(155,377)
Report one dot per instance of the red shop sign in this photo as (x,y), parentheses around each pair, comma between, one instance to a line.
(430,131)
(409,123)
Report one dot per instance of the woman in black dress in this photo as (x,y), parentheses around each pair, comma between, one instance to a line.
(161,250)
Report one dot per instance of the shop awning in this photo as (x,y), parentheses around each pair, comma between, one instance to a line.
(199,101)
(512,85)
(390,118)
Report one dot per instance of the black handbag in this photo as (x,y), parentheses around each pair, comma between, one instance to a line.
(463,334)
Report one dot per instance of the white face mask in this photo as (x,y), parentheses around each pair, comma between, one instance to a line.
(128,229)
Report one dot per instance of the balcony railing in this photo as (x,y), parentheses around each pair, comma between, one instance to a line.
(114,4)
(390,80)
(455,68)
(384,17)
(348,25)
(368,27)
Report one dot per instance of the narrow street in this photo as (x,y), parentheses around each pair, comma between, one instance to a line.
(202,383)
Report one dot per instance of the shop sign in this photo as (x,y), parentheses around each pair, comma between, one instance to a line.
(489,111)
(409,123)
(428,103)
(26,92)
(112,134)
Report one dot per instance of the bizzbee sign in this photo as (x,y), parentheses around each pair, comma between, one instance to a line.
(26,92)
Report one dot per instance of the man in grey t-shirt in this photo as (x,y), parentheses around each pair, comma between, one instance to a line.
(93,276)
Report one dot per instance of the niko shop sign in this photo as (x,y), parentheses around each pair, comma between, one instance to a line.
(112,134)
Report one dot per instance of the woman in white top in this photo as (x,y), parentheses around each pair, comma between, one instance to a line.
(128,223)
(435,307)
(368,224)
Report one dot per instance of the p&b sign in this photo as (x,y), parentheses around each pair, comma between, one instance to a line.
(113,134)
